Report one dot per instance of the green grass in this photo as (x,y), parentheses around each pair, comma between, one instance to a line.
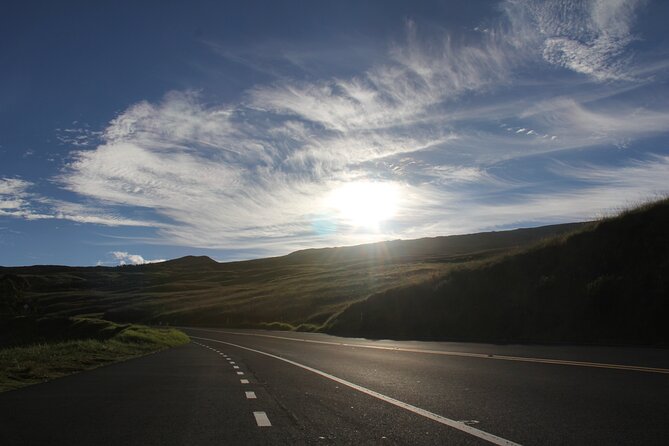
(42,360)
(607,283)
(304,290)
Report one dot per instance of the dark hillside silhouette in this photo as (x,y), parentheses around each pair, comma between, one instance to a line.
(608,283)
(302,290)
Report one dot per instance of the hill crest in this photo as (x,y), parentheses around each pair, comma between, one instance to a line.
(189,261)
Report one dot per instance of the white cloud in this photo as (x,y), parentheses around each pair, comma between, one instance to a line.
(16,200)
(590,191)
(638,178)
(586,36)
(14,186)
(88,213)
(257,172)
(229,175)
(419,75)
(78,136)
(579,124)
(125,258)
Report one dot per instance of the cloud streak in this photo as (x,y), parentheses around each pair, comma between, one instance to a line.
(420,74)
(435,120)
(587,37)
(18,201)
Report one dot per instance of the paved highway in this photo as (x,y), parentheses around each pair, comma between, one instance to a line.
(231,387)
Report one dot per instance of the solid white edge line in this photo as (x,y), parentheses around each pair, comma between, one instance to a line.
(598,365)
(261,419)
(494,439)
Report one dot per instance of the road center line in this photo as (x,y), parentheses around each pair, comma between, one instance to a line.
(244,381)
(417,410)
(250,395)
(261,419)
(598,365)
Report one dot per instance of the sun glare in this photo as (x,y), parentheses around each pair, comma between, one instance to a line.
(366,203)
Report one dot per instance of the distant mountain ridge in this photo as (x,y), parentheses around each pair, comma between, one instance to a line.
(451,245)
(598,282)
(305,289)
(440,246)
(188,262)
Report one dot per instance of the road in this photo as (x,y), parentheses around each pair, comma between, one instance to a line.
(242,387)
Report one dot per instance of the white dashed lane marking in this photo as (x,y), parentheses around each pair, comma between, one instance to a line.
(491,438)
(261,419)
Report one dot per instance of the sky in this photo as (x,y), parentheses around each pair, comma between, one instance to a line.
(134,132)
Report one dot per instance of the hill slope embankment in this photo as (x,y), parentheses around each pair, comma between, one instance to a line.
(302,290)
(607,283)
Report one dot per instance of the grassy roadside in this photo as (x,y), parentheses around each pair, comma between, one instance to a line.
(46,360)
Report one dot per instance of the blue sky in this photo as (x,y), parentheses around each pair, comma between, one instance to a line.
(140,131)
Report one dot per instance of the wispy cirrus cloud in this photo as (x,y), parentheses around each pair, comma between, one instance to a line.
(78,135)
(588,37)
(582,124)
(638,178)
(18,201)
(13,195)
(419,75)
(435,118)
(595,191)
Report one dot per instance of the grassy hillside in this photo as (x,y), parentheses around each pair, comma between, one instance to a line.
(305,289)
(38,350)
(606,283)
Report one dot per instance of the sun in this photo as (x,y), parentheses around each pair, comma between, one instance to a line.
(366,203)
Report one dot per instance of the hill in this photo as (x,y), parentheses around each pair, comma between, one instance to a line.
(606,283)
(306,289)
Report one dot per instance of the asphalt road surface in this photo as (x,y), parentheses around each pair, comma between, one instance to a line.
(240,387)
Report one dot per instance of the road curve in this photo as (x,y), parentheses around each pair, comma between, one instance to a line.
(261,387)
